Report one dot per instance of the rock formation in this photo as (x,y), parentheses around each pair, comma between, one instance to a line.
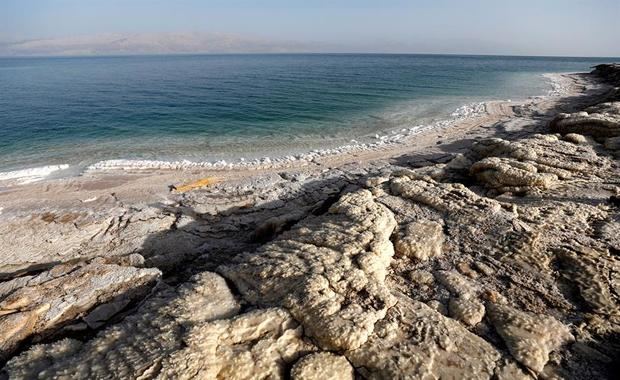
(328,271)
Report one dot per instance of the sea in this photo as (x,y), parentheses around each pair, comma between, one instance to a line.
(63,116)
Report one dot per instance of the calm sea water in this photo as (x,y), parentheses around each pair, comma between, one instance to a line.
(78,111)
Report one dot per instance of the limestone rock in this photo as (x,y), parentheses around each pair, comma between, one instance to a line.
(420,240)
(58,236)
(602,120)
(506,174)
(529,337)
(575,138)
(538,161)
(322,366)
(457,284)
(329,271)
(62,295)
(256,345)
(434,347)
(421,277)
(468,311)
(444,197)
(609,72)
(593,273)
(135,347)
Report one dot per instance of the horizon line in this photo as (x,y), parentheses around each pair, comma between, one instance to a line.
(121,55)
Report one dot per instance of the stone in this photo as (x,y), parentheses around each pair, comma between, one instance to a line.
(468,311)
(136,346)
(612,143)
(421,277)
(256,345)
(322,366)
(593,272)
(530,337)
(415,341)
(328,271)
(507,174)
(420,240)
(575,138)
(601,120)
(64,294)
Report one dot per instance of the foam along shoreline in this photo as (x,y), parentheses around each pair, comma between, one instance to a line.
(25,176)
(382,142)
(559,87)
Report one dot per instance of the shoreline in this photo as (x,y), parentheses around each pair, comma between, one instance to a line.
(386,140)
(429,138)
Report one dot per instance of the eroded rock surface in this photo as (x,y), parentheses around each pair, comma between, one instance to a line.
(137,346)
(256,345)
(41,304)
(420,240)
(529,337)
(602,120)
(322,365)
(328,271)
(434,347)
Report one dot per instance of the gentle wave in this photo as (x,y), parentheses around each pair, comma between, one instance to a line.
(399,136)
(32,174)
(559,87)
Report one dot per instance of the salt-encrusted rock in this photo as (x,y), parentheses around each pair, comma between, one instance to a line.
(420,240)
(329,271)
(421,277)
(464,306)
(602,120)
(206,298)
(506,174)
(529,337)
(469,311)
(135,347)
(435,347)
(595,274)
(445,197)
(575,138)
(322,366)
(539,161)
(609,72)
(62,295)
(457,284)
(61,235)
(257,345)
(511,370)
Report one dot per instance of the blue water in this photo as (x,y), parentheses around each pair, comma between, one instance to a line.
(79,111)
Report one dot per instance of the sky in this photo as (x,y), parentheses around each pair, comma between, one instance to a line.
(524,27)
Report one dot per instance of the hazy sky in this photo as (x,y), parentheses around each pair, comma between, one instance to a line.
(537,27)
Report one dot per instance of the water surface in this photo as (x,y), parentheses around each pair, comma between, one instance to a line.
(79,111)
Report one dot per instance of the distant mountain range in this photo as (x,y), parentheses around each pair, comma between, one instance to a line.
(145,43)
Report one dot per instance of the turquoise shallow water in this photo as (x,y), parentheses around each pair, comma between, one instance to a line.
(79,111)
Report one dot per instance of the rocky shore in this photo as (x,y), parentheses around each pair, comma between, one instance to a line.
(493,255)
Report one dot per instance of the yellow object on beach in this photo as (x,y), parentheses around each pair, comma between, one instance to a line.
(197,184)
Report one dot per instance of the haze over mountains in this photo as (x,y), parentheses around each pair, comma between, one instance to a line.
(150,43)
